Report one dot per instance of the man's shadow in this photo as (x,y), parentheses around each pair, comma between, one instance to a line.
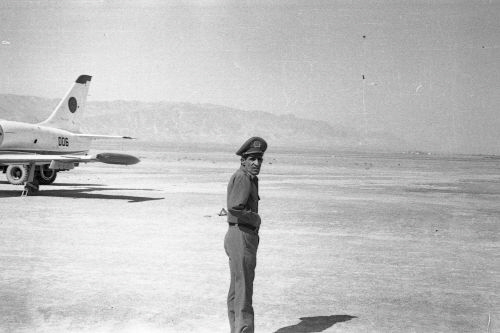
(314,324)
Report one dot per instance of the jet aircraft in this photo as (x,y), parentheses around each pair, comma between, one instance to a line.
(33,154)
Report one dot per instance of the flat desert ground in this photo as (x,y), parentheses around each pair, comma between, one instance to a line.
(350,242)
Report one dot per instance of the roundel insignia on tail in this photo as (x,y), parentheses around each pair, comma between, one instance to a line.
(72,104)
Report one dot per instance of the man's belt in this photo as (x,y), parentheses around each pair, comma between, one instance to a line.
(248,226)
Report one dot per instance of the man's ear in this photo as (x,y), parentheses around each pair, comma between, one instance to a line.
(242,160)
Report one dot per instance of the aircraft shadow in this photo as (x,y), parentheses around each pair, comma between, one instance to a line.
(72,184)
(87,192)
(59,184)
(314,324)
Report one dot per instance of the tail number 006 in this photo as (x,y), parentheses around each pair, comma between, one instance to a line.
(62,141)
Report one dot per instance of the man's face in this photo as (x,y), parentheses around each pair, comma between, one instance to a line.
(252,163)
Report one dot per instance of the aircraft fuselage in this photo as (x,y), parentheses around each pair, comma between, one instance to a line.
(33,138)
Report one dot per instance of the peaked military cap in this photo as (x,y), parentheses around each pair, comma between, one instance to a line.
(254,145)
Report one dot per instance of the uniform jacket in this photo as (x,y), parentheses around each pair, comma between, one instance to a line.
(243,198)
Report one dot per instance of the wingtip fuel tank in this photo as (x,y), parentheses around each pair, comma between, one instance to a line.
(113,158)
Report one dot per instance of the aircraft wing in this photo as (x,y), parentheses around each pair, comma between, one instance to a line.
(99,136)
(39,159)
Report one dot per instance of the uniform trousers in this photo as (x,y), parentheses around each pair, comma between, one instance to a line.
(241,246)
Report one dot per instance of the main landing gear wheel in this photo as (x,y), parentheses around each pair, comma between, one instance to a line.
(17,174)
(44,175)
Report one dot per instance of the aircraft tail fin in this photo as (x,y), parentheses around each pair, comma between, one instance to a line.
(67,114)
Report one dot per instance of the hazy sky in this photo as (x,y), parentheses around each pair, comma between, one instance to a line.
(431,68)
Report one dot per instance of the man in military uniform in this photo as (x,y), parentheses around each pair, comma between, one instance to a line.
(242,237)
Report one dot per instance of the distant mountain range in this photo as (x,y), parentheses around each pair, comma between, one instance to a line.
(195,123)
